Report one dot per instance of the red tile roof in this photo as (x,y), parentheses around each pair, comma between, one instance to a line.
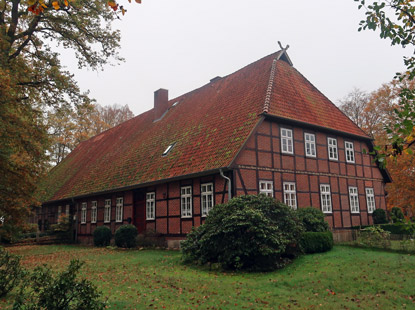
(294,97)
(208,126)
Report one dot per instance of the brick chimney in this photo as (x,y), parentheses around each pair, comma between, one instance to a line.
(161,100)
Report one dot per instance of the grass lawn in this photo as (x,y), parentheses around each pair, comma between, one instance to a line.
(344,278)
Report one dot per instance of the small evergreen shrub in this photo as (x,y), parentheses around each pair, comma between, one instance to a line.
(396,215)
(312,219)
(249,232)
(379,216)
(10,271)
(102,236)
(316,242)
(125,236)
(44,291)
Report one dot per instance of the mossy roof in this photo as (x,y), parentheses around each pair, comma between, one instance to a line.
(209,126)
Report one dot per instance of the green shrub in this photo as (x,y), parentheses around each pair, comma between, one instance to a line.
(396,215)
(379,216)
(44,291)
(125,236)
(30,228)
(249,232)
(102,236)
(10,271)
(374,236)
(316,242)
(150,238)
(9,233)
(312,219)
(62,229)
(400,228)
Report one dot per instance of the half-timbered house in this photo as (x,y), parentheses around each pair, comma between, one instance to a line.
(262,129)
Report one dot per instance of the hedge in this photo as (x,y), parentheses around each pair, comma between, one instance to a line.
(399,228)
(316,242)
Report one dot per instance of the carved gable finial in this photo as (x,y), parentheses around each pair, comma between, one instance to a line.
(282,54)
(284,49)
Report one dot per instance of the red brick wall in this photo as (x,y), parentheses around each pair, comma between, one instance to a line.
(262,159)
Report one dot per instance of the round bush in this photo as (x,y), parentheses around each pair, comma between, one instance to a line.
(396,215)
(316,242)
(312,219)
(249,232)
(102,236)
(379,216)
(125,236)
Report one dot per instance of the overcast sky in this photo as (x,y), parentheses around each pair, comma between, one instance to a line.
(181,44)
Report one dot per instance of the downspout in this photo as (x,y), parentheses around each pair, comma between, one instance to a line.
(76,220)
(229,184)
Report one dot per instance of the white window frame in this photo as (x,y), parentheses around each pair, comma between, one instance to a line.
(290,195)
(287,145)
(349,150)
(186,201)
(207,198)
(266,188)
(354,199)
(151,205)
(83,212)
(332,148)
(67,210)
(94,207)
(119,206)
(310,144)
(107,211)
(370,200)
(325,198)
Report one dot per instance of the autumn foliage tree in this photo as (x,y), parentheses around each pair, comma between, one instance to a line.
(401,191)
(32,82)
(69,127)
(376,113)
(395,21)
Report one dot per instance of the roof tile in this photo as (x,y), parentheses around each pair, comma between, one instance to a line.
(208,126)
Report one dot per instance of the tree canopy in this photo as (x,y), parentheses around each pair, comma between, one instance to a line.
(33,83)
(69,127)
(395,21)
(376,110)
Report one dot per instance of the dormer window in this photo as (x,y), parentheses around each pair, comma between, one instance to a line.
(168,149)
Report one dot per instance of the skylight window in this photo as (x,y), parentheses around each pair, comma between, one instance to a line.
(176,103)
(168,149)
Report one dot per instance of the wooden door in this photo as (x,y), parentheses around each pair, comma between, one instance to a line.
(140,210)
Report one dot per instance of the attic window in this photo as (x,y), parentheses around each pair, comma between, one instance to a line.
(168,149)
(176,103)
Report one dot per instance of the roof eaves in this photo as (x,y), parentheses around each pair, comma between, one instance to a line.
(260,120)
(326,129)
(385,173)
(141,185)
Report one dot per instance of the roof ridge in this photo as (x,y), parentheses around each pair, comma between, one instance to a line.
(270,83)
(271,78)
